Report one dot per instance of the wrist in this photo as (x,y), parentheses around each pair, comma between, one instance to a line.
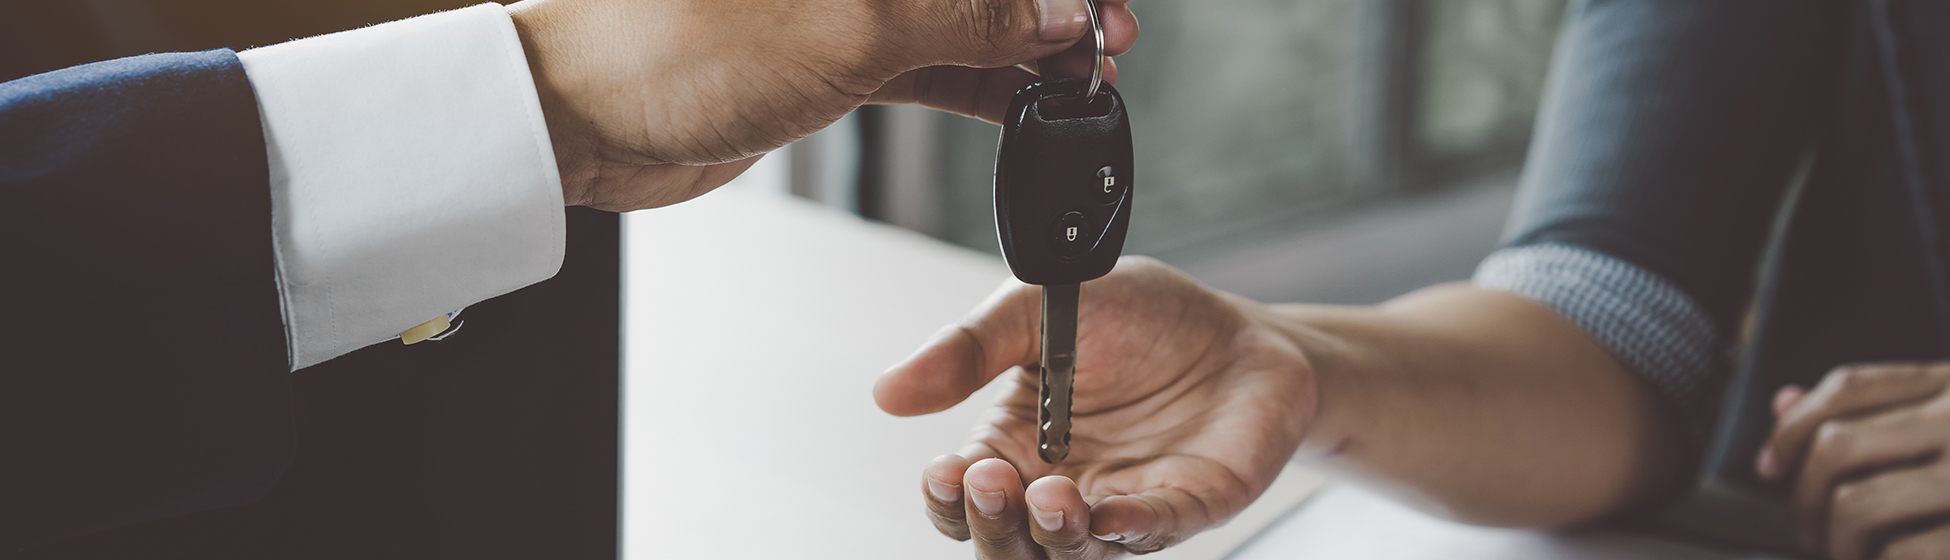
(557,82)
(1330,363)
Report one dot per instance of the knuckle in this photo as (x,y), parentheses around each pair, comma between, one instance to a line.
(1833,438)
(1850,378)
(1846,502)
(1150,545)
(1004,540)
(944,512)
(924,87)
(1071,549)
(996,26)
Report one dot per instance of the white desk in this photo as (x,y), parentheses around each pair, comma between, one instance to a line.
(781,314)
(754,326)
(1343,521)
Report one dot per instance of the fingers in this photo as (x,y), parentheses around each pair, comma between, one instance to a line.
(1848,390)
(979,33)
(983,93)
(987,503)
(1060,522)
(1003,332)
(997,517)
(941,488)
(1786,398)
(1120,34)
(1927,545)
(983,89)
(1120,27)
(1843,447)
(1075,63)
(1867,509)
(1151,520)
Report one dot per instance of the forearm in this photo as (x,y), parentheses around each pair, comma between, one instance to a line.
(1481,406)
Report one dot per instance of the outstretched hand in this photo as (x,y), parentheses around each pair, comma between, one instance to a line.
(654,103)
(1188,402)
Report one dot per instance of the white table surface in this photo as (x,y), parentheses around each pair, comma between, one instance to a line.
(1345,521)
(754,326)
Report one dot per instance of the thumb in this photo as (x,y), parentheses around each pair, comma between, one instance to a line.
(1003,332)
(986,33)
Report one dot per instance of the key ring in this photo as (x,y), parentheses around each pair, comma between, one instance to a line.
(1097,63)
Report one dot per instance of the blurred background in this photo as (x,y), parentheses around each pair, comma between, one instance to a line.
(1334,151)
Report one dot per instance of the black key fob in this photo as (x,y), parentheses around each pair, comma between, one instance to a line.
(1063,182)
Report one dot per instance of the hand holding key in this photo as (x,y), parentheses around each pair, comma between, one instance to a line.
(653,103)
(1188,402)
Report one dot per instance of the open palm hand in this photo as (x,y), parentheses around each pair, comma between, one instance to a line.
(1188,401)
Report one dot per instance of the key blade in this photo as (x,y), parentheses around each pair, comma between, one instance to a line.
(1059,371)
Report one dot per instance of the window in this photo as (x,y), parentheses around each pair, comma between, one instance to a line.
(1251,118)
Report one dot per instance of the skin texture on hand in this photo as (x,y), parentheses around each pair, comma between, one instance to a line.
(1186,409)
(1476,405)
(653,102)
(1864,451)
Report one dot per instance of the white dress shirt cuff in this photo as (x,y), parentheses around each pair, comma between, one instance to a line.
(411,175)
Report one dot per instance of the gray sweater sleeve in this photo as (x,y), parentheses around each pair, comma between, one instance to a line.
(1652,327)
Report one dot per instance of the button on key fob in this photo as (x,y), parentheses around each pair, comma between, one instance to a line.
(1063,183)
(1063,192)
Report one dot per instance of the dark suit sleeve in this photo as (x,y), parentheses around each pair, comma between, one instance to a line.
(142,364)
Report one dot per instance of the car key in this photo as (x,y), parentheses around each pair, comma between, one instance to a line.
(1063,190)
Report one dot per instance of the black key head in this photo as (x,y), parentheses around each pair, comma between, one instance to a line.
(1063,182)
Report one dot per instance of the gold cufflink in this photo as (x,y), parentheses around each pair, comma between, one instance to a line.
(425,330)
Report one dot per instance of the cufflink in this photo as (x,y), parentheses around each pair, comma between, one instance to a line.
(436,330)
(425,330)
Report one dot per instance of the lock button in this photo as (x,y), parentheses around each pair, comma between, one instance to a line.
(1071,236)
(1108,187)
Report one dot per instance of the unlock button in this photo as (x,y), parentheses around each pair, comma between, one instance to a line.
(1071,235)
(1107,187)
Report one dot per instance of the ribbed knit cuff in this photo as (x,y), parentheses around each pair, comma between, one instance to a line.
(1651,326)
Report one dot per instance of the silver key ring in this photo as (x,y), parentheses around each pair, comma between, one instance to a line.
(1096,64)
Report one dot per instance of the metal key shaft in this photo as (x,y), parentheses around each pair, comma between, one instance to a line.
(1059,371)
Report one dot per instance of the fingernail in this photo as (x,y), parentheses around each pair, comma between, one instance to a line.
(989,503)
(1766,464)
(1113,537)
(944,492)
(1063,19)
(1051,521)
